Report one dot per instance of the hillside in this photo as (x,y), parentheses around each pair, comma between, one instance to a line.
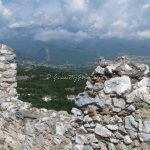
(36,82)
(84,52)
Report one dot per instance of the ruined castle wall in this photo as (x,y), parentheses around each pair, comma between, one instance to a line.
(8,73)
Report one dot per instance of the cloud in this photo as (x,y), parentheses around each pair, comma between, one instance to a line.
(63,34)
(76,19)
(4,11)
(143,34)
(75,5)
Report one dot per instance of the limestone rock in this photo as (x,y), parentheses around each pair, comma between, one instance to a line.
(119,85)
(111,146)
(60,129)
(112,127)
(119,103)
(146,127)
(140,94)
(78,147)
(84,99)
(87,119)
(99,70)
(89,85)
(76,111)
(130,123)
(80,139)
(98,86)
(102,131)
(127,140)
(144,82)
(144,137)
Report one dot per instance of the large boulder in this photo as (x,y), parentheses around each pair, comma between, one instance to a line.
(84,99)
(119,85)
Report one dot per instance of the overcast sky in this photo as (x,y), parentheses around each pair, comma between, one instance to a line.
(75,19)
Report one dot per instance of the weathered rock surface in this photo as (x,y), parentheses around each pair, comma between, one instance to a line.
(119,85)
(102,131)
(121,98)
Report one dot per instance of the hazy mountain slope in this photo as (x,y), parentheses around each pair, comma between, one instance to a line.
(63,52)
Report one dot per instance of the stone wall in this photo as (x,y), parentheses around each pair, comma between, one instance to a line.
(115,106)
(113,113)
(8,72)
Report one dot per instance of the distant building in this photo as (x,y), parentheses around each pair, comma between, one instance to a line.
(47,98)
(71,97)
(72,89)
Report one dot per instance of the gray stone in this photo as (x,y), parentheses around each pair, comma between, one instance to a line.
(119,85)
(87,147)
(28,128)
(142,67)
(81,130)
(21,137)
(116,109)
(119,136)
(119,103)
(80,139)
(90,130)
(144,82)
(115,120)
(122,146)
(122,130)
(102,100)
(91,138)
(84,99)
(140,94)
(40,140)
(89,85)
(40,127)
(92,125)
(109,70)
(102,146)
(87,119)
(102,131)
(95,145)
(87,125)
(78,147)
(112,127)
(57,141)
(99,70)
(130,123)
(98,86)
(127,139)
(147,69)
(6,114)
(111,146)
(115,141)
(140,124)
(146,127)
(133,135)
(124,68)
(131,108)
(97,118)
(76,111)
(60,129)
(144,137)
(7,57)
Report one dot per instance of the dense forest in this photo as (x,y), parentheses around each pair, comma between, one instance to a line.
(36,82)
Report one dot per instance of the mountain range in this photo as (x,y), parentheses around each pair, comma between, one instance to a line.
(76,52)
